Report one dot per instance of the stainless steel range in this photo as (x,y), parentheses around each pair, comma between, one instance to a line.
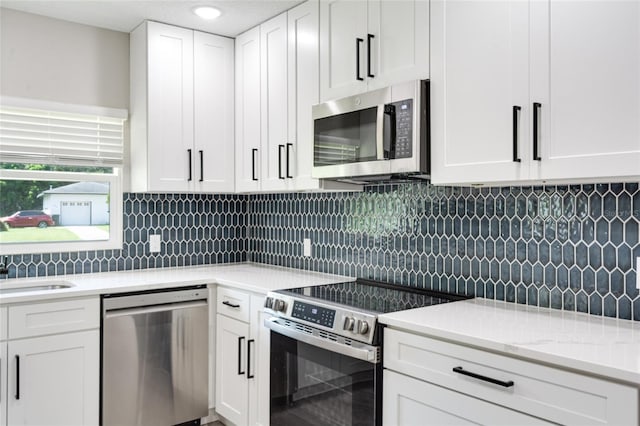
(326,348)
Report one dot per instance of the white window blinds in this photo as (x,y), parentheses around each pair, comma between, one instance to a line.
(67,135)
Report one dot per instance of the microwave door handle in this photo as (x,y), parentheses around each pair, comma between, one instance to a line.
(380,133)
(390,131)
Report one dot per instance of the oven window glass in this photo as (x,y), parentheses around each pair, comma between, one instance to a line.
(313,386)
(345,138)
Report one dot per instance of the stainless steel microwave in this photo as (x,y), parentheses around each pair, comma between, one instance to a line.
(378,135)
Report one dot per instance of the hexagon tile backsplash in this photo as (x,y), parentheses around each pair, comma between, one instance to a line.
(566,247)
(196,230)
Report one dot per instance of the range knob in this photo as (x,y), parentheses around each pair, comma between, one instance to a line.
(279,305)
(363,327)
(268,303)
(349,323)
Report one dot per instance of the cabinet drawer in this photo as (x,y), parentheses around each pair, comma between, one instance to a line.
(411,402)
(38,319)
(3,323)
(233,303)
(546,392)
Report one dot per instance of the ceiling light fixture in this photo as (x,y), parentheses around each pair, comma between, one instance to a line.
(206,12)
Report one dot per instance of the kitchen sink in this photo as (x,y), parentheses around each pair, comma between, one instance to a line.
(35,286)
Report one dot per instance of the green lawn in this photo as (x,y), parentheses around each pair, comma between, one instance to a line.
(52,233)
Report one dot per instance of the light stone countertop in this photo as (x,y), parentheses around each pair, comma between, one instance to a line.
(252,277)
(586,343)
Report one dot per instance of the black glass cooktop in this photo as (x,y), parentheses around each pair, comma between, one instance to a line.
(374,296)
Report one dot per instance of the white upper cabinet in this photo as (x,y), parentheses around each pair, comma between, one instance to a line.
(400,46)
(343,54)
(535,91)
(181,92)
(370,44)
(248,111)
(585,62)
(276,86)
(479,75)
(213,118)
(273,100)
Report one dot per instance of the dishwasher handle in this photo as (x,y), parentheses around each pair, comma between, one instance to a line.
(155,308)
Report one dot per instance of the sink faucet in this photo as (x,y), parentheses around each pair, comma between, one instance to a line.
(4,267)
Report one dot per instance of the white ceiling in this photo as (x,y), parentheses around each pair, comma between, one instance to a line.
(124,15)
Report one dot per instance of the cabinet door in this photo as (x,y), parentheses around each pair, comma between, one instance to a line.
(303,92)
(400,44)
(479,72)
(231,369)
(586,77)
(170,108)
(273,85)
(3,383)
(259,364)
(343,31)
(407,401)
(57,381)
(213,119)
(248,111)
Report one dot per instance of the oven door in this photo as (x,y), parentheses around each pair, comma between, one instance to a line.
(314,382)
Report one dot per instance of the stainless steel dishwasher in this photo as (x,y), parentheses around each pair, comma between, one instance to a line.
(155,357)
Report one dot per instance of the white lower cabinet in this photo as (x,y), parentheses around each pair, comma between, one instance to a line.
(242,359)
(50,369)
(412,402)
(3,366)
(3,383)
(54,380)
(259,364)
(428,378)
(232,383)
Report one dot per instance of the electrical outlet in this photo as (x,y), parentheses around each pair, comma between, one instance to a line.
(306,247)
(154,243)
(638,273)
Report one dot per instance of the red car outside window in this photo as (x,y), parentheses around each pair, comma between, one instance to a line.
(26,218)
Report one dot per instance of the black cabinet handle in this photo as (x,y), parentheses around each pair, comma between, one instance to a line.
(516,111)
(17,376)
(240,339)
(201,166)
(249,375)
(254,151)
(231,305)
(536,113)
(460,370)
(358,41)
(190,170)
(280,148)
(289,146)
(369,38)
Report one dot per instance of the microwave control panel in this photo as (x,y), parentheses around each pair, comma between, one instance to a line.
(404,128)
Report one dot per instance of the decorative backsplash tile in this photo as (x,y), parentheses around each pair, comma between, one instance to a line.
(565,247)
(196,230)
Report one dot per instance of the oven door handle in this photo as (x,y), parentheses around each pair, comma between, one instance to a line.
(356,350)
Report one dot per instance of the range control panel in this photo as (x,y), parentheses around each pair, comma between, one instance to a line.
(334,318)
(314,314)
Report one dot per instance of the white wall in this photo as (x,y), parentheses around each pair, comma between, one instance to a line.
(50,59)
(60,61)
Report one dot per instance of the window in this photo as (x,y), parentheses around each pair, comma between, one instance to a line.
(60,177)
